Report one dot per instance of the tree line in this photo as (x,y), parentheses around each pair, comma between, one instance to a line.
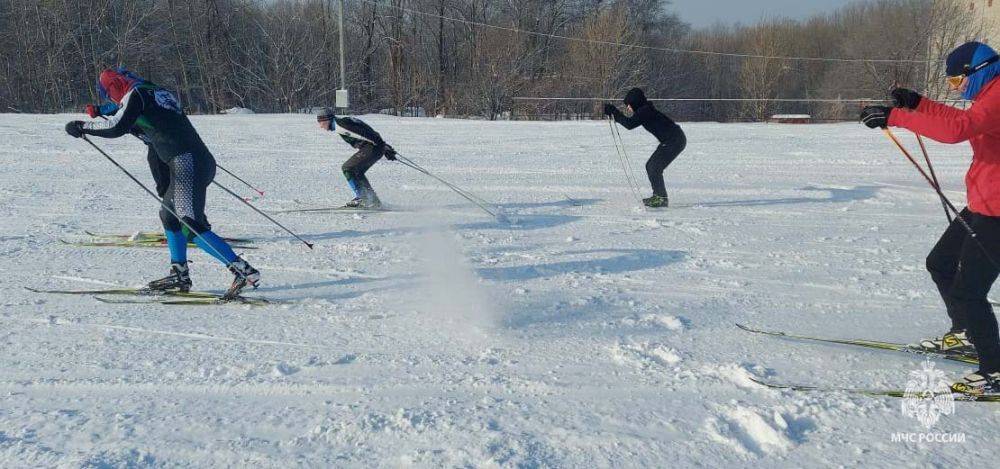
(472,58)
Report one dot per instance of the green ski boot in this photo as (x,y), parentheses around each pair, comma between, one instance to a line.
(656,201)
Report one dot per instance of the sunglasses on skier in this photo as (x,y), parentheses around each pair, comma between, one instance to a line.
(956,81)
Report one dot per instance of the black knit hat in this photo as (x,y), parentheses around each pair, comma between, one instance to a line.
(326,114)
(635,98)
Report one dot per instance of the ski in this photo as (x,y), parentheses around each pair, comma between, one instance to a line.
(134,244)
(336,209)
(146,295)
(896,393)
(127,291)
(151,236)
(891,346)
(194,301)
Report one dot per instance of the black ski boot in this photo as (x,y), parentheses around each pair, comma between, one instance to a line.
(371,202)
(978,383)
(368,202)
(245,275)
(179,279)
(952,343)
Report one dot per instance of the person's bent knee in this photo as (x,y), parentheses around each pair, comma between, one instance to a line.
(938,265)
(169,221)
(655,166)
(198,227)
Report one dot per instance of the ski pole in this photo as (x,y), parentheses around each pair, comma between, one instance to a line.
(927,158)
(470,197)
(944,198)
(906,153)
(259,212)
(616,137)
(412,164)
(217,165)
(479,203)
(153,195)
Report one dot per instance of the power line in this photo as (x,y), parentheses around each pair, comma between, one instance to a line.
(636,46)
(780,100)
(777,100)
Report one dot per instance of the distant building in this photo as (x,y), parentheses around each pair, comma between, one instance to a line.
(791,119)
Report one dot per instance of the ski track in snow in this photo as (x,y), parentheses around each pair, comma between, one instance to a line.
(586,333)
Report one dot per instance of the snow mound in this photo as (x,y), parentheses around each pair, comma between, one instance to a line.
(119,458)
(645,355)
(663,321)
(752,432)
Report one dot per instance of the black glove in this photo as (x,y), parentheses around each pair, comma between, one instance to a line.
(876,117)
(390,153)
(610,109)
(74,129)
(902,97)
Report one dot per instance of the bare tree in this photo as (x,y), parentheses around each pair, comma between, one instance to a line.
(468,57)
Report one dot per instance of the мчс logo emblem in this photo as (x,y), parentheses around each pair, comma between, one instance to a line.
(928,396)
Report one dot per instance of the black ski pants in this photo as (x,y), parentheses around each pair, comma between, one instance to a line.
(357,165)
(964,274)
(159,170)
(665,154)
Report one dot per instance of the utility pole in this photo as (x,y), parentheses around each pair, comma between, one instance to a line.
(343,97)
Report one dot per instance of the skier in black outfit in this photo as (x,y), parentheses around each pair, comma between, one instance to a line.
(159,169)
(370,148)
(671,137)
(156,113)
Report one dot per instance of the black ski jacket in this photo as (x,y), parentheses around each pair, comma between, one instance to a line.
(356,133)
(654,121)
(157,114)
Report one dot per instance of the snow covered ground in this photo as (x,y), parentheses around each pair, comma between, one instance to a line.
(585,334)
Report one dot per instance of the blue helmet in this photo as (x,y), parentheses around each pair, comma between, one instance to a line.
(970,58)
(976,61)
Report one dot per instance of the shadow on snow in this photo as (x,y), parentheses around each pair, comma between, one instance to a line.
(623,260)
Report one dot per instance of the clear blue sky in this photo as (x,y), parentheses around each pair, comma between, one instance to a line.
(700,13)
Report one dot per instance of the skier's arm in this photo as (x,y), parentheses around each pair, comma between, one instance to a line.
(952,128)
(357,129)
(930,107)
(628,122)
(120,123)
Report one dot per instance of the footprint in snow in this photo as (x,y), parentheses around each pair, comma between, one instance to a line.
(758,432)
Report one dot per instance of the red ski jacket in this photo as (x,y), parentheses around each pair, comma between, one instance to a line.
(980,125)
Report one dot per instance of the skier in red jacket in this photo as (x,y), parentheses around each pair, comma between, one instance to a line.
(964,269)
